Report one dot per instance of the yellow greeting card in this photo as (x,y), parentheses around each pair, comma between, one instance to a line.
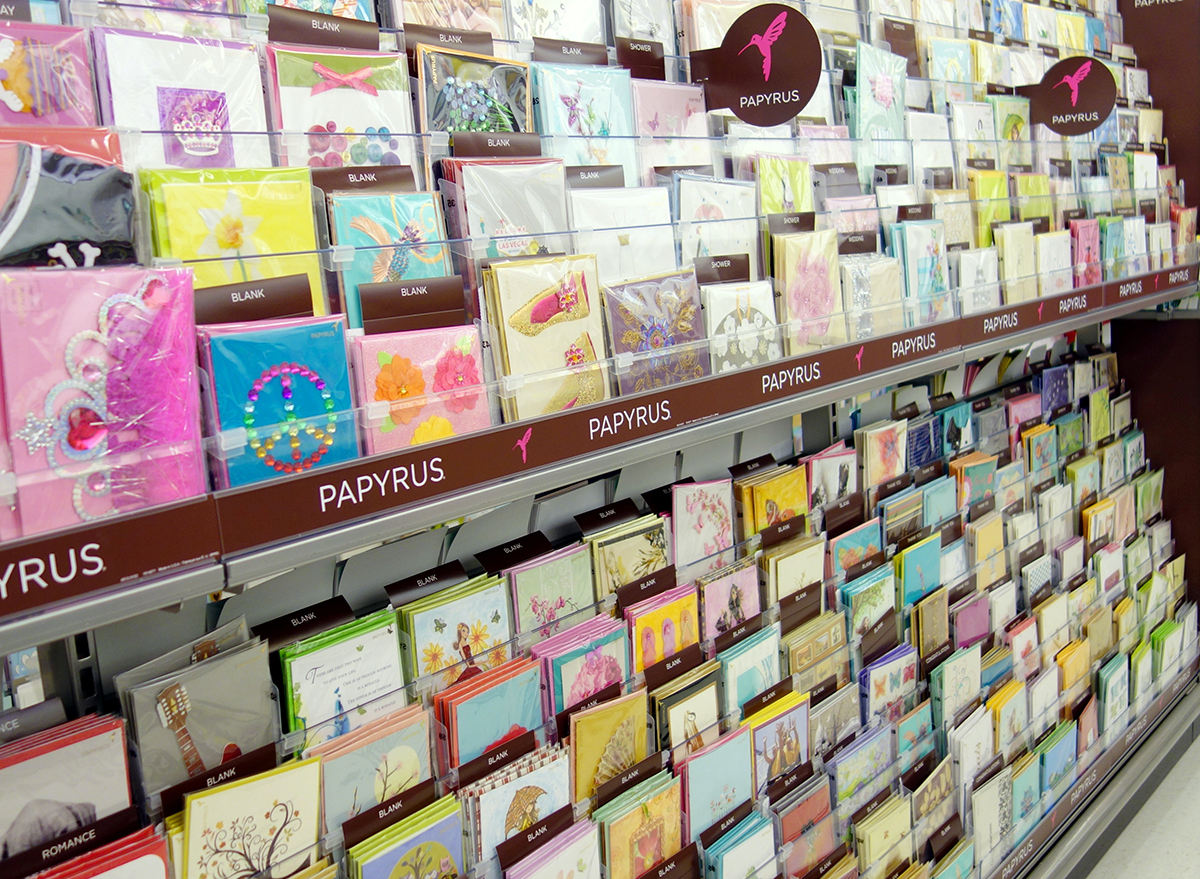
(665,630)
(780,498)
(644,837)
(605,741)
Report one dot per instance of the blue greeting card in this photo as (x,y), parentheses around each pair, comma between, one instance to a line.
(396,236)
(719,779)
(287,383)
(376,771)
(507,708)
(957,432)
(921,567)
(941,501)
(437,848)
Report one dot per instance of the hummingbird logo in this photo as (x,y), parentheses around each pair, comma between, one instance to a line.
(858,357)
(1075,79)
(765,40)
(523,444)
(1040,306)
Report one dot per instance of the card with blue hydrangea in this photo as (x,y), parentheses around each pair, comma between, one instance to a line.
(655,319)
(341,107)
(396,236)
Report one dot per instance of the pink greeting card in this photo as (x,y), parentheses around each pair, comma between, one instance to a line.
(45,78)
(101,395)
(430,380)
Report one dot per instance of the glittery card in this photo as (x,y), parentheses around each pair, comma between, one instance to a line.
(46,76)
(657,319)
(431,381)
(811,294)
(101,392)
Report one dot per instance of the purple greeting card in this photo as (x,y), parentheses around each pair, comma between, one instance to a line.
(45,78)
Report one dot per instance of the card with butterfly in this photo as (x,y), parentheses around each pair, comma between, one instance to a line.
(46,76)
(657,319)
(890,684)
(591,110)
(352,107)
(672,116)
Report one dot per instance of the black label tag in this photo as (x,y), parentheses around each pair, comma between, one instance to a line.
(15,10)
(981,164)
(982,36)
(21,722)
(871,805)
(388,178)
(391,811)
(305,623)
(515,552)
(828,862)
(618,513)
(562,720)
(981,508)
(782,224)
(773,693)
(491,144)
(646,587)
(928,473)
(935,658)
(673,666)
(594,176)
(822,691)
(893,486)
(262,299)
(659,499)
(257,761)
(723,269)
(670,170)
(635,774)
(727,639)
(644,59)
(857,242)
(685,864)
(798,608)
(710,836)
(72,844)
(497,758)
(526,842)
(288,25)
(946,837)
(781,531)
(744,469)
(479,42)
(787,782)
(569,52)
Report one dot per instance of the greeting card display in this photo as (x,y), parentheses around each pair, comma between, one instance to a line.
(100,391)
(354,107)
(293,411)
(188,93)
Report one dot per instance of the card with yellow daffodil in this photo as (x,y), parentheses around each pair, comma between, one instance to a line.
(231,225)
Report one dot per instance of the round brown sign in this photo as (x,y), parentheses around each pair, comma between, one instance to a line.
(1074,97)
(767,67)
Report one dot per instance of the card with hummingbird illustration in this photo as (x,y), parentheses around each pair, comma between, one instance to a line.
(396,237)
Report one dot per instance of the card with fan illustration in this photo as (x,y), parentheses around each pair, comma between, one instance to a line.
(430,380)
(548,314)
(353,107)
(657,320)
(396,236)
(607,740)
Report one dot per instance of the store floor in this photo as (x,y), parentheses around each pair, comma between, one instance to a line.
(1162,839)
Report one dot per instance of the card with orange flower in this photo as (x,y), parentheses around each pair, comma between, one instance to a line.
(458,633)
(420,386)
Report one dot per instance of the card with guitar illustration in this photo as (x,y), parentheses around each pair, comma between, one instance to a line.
(193,720)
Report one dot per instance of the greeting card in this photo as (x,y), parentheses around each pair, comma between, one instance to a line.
(476,16)
(230,224)
(548,312)
(663,626)
(396,236)
(591,108)
(717,779)
(430,380)
(259,385)
(716,217)
(740,323)
(353,106)
(784,184)
(872,293)
(657,319)
(605,741)
(729,597)
(190,93)
(672,115)
(702,521)
(47,78)
(811,296)
(462,91)
(100,391)
(629,230)
(459,631)
(556,20)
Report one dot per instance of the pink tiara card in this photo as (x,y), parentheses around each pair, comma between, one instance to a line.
(102,399)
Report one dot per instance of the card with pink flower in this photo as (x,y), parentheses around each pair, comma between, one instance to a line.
(430,380)
(702,521)
(809,277)
(550,588)
(583,672)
